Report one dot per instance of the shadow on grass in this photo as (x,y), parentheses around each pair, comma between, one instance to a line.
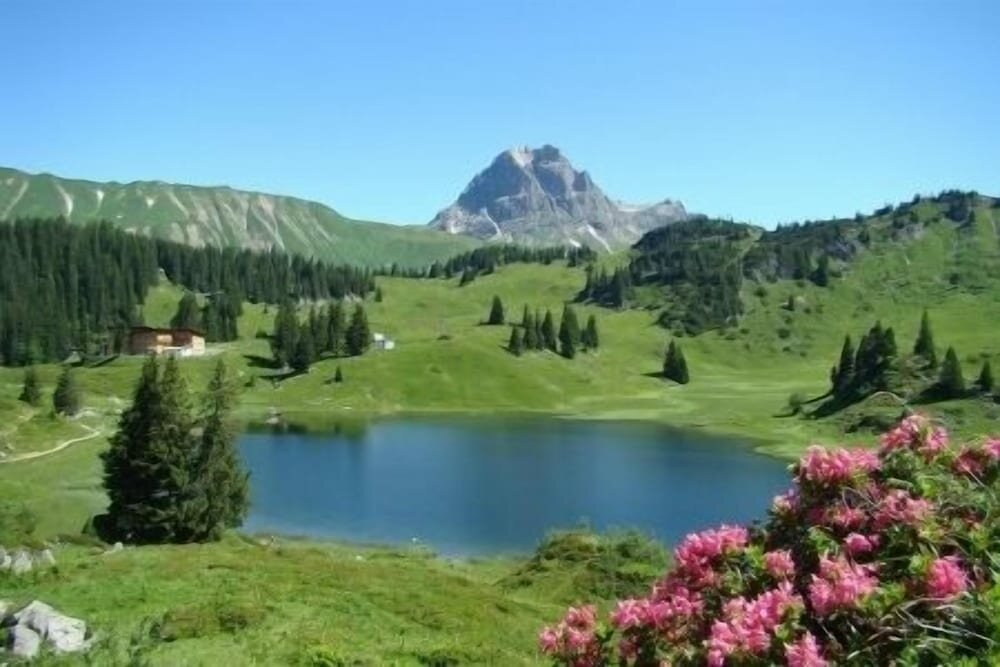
(257,361)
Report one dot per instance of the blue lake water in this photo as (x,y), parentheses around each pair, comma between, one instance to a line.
(467,486)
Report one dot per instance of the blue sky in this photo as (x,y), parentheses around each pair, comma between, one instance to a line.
(761,110)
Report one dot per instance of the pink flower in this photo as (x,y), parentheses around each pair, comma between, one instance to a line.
(916,433)
(946,578)
(935,442)
(697,554)
(970,462)
(747,626)
(573,640)
(844,517)
(786,503)
(840,585)
(831,468)
(804,653)
(629,614)
(779,564)
(857,544)
(898,506)
(992,448)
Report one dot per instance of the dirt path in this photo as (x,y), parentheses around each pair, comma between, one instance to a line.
(93,433)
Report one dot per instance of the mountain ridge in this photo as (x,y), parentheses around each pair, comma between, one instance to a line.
(224,216)
(535,195)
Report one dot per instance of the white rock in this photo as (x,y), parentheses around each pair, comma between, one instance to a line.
(46,558)
(22,563)
(23,642)
(6,562)
(64,633)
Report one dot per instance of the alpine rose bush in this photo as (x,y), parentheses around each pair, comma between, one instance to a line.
(887,557)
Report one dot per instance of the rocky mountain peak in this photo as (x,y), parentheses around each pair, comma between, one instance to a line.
(535,195)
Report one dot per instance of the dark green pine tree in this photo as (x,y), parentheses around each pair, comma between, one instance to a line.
(675,365)
(359,336)
(188,315)
(336,329)
(305,350)
(549,337)
(590,338)
(496,312)
(569,333)
(175,503)
(286,334)
(530,332)
(985,380)
(222,487)
(468,276)
(539,334)
(31,392)
(378,295)
(843,374)
(338,376)
(525,316)
(951,384)
(516,344)
(66,398)
(821,275)
(924,347)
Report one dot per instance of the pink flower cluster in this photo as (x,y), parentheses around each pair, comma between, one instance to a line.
(748,625)
(946,578)
(698,553)
(857,544)
(916,433)
(804,653)
(837,467)
(840,585)
(897,507)
(973,461)
(779,564)
(573,640)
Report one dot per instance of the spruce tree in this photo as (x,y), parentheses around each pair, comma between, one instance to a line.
(336,329)
(591,339)
(359,336)
(222,487)
(549,331)
(188,315)
(66,397)
(496,312)
(675,365)
(286,334)
(31,392)
(924,347)
(539,334)
(985,381)
(305,351)
(530,334)
(525,316)
(951,384)
(338,376)
(843,374)
(378,295)
(569,333)
(515,344)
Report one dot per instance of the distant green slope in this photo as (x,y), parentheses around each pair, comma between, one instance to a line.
(224,216)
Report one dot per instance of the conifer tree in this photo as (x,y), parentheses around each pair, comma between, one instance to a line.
(468,275)
(569,333)
(549,331)
(378,295)
(188,315)
(951,384)
(843,374)
(515,344)
(924,347)
(305,351)
(359,336)
(286,334)
(675,365)
(338,376)
(530,332)
(525,316)
(590,338)
(496,312)
(985,380)
(31,392)
(539,334)
(222,487)
(336,329)
(66,398)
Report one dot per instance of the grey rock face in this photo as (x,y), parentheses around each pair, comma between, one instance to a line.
(23,642)
(536,196)
(45,558)
(21,563)
(64,633)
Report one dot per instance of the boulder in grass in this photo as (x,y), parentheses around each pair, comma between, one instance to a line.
(23,642)
(21,563)
(45,558)
(64,633)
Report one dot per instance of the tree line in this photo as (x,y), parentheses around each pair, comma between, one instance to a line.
(67,287)
(876,365)
(536,332)
(325,331)
(485,260)
(217,319)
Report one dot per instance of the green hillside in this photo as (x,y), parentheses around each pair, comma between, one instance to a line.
(225,217)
